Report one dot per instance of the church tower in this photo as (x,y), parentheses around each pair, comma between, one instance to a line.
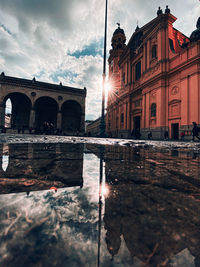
(118,45)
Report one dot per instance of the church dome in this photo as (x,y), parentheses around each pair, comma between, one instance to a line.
(118,30)
(195,36)
(118,39)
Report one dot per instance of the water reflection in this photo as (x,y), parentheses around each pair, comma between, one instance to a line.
(153,205)
(136,207)
(34,167)
(5,157)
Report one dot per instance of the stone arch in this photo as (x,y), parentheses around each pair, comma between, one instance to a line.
(46,110)
(71,116)
(21,106)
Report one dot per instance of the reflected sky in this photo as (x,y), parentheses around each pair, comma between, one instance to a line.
(149,202)
(5,157)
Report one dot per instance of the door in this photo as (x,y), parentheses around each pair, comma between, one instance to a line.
(137,123)
(175,131)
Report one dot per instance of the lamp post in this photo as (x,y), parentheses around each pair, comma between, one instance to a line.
(102,123)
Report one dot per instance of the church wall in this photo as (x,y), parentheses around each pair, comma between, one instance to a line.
(169,79)
(193,99)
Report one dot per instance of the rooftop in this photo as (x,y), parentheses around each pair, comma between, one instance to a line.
(39,85)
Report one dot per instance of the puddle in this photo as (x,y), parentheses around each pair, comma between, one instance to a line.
(93,205)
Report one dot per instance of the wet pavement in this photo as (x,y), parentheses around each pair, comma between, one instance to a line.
(67,201)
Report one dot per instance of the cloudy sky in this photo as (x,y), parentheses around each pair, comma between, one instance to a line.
(62,41)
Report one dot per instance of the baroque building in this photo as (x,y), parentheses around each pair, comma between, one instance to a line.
(155,80)
(35,103)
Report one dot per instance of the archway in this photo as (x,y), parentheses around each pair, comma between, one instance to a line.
(71,116)
(20,111)
(8,113)
(46,109)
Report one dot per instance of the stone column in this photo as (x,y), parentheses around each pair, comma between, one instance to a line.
(82,126)
(32,118)
(2,114)
(59,120)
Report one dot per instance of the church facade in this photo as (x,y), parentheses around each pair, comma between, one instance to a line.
(35,104)
(155,81)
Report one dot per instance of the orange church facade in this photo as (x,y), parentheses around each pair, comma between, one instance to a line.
(155,81)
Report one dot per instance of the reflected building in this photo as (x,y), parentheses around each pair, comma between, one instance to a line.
(152,205)
(30,167)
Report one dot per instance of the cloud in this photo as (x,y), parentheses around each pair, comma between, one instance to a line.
(63,40)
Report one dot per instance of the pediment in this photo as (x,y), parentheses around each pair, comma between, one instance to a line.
(174,101)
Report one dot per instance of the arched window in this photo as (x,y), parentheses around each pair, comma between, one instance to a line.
(153,110)
(8,112)
(154,51)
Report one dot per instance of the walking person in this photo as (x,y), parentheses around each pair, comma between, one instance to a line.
(182,135)
(150,135)
(195,131)
(166,135)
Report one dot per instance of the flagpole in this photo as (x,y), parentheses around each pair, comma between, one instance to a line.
(102,123)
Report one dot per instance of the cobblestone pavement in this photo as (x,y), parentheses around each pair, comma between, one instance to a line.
(25,138)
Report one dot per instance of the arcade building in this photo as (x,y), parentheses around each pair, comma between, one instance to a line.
(155,80)
(35,103)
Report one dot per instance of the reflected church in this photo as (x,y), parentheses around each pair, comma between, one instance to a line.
(151,206)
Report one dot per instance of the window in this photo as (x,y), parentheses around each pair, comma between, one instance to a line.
(138,71)
(153,110)
(154,51)
(171,44)
(122,118)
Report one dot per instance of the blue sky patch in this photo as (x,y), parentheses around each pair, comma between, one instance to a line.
(69,74)
(93,49)
(55,77)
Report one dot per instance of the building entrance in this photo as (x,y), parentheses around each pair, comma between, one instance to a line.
(137,123)
(175,131)
(136,127)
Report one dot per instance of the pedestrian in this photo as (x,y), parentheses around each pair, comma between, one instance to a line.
(137,134)
(30,130)
(166,135)
(23,129)
(45,127)
(195,131)
(51,128)
(149,135)
(182,135)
